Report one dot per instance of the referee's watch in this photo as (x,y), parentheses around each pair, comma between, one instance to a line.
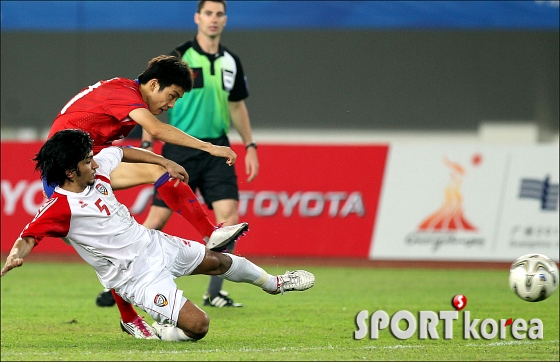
(146,144)
(252,144)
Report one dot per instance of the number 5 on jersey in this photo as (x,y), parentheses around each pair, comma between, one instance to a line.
(102,207)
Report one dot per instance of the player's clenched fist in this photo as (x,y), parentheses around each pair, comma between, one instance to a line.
(224,151)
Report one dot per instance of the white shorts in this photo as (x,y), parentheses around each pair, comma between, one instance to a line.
(152,286)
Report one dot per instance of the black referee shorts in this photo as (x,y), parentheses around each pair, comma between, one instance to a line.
(209,174)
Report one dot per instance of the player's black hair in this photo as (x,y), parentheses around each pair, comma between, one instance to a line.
(168,70)
(63,151)
(201,4)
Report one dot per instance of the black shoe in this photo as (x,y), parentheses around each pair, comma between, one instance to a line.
(105,299)
(222,300)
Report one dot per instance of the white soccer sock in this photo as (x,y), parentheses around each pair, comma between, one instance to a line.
(244,271)
(172,333)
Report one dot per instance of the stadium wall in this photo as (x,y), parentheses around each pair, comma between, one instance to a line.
(377,201)
(355,79)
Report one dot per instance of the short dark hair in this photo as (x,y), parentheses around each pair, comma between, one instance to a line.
(63,151)
(201,4)
(168,70)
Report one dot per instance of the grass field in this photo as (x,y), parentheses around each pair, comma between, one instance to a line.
(48,313)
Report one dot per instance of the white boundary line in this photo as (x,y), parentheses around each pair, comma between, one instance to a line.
(302,349)
(509,343)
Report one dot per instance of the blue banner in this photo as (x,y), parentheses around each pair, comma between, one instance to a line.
(256,15)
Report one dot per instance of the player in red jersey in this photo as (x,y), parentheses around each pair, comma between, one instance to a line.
(110,109)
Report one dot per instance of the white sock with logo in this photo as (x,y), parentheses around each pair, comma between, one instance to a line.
(244,271)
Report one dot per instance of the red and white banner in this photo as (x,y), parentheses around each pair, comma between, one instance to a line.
(308,200)
(406,202)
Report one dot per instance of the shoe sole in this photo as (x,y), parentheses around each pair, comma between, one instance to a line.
(309,281)
(232,238)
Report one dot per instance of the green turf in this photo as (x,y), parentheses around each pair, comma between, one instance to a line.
(48,313)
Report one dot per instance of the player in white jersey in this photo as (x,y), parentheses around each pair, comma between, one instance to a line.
(138,263)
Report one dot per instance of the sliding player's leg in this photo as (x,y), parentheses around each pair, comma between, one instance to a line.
(191,259)
(238,269)
(193,323)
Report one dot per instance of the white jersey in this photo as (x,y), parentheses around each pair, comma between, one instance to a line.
(99,227)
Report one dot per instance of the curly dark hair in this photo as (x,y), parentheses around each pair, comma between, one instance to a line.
(63,151)
(168,70)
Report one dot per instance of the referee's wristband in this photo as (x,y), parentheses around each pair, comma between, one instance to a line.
(252,144)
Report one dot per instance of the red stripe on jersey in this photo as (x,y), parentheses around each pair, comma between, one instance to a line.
(102,178)
(52,219)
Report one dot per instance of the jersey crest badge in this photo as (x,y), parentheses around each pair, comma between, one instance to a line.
(101,189)
(160,300)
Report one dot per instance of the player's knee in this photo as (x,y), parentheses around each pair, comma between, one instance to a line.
(193,321)
(222,262)
(154,223)
(198,328)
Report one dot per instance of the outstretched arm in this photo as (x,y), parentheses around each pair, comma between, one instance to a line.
(166,133)
(22,247)
(138,155)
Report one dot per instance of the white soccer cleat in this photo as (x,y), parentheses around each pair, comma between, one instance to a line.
(223,235)
(298,280)
(139,329)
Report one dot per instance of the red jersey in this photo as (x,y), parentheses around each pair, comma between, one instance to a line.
(102,110)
